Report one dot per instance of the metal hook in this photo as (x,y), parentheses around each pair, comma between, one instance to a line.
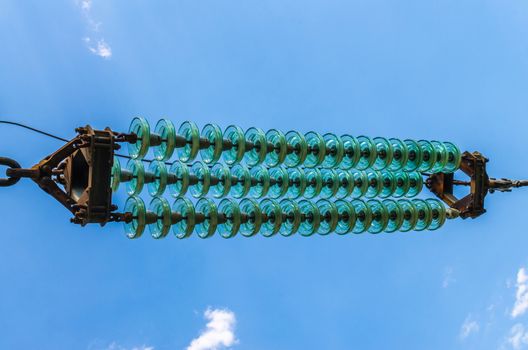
(13,164)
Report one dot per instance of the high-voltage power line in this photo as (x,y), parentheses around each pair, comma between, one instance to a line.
(251,182)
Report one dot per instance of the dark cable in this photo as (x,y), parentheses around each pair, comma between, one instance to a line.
(33,129)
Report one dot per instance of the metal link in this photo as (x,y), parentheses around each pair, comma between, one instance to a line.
(13,164)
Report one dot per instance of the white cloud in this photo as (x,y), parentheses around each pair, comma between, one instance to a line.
(98,345)
(521,295)
(468,327)
(219,332)
(97,46)
(518,337)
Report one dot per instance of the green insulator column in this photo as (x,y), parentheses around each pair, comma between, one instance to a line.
(119,175)
(271,217)
(316,149)
(200,179)
(314,183)
(178,179)
(229,218)
(410,215)
(388,181)
(279,182)
(260,182)
(135,185)
(299,149)
(438,214)
(454,158)
(206,218)
(329,216)
(141,128)
(352,152)
(415,158)
(428,156)
(415,184)
(310,218)
(259,147)
(395,215)
(346,217)
(330,183)
(402,184)
(221,185)
(368,153)
(291,217)
(375,184)
(162,211)
(346,184)
(277,154)
(251,217)
(363,215)
(160,174)
(384,153)
(334,150)
(235,139)
(167,134)
(189,131)
(212,153)
(400,155)
(297,183)
(136,227)
(361,184)
(184,228)
(441,156)
(380,216)
(425,216)
(240,181)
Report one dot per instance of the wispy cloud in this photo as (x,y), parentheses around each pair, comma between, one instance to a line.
(95,43)
(219,332)
(468,327)
(521,294)
(97,345)
(518,337)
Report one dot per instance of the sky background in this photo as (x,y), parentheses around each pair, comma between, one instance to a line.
(447,70)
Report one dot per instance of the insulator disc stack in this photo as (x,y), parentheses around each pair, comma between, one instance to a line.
(256,182)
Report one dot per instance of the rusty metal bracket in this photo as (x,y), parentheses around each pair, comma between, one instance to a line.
(83,166)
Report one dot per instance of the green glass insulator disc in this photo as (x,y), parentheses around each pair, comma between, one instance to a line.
(346,217)
(361,184)
(329,217)
(346,184)
(330,183)
(363,216)
(415,158)
(251,211)
(184,227)
(402,184)
(136,206)
(368,153)
(400,155)
(389,184)
(213,134)
(415,184)
(454,157)
(140,127)
(235,136)
(116,174)
(202,172)
(310,218)
(297,184)
(230,225)
(438,214)
(135,185)
(189,131)
(375,182)
(380,216)
(260,181)
(271,217)
(178,179)
(316,149)
(428,155)
(222,185)
(384,153)
(278,154)
(258,153)
(206,209)
(279,182)
(159,185)
(425,215)
(441,156)
(240,187)
(291,217)
(352,152)
(410,215)
(297,148)
(167,132)
(334,151)
(161,227)
(395,215)
(314,182)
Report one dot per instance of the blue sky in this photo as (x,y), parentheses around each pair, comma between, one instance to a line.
(448,70)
